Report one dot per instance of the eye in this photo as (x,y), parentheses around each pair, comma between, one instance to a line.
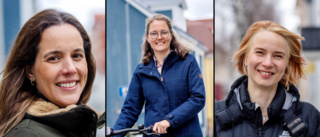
(279,56)
(153,33)
(259,52)
(78,56)
(53,59)
(164,32)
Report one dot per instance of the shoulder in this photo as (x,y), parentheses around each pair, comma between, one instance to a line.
(309,110)
(190,57)
(140,67)
(22,129)
(28,127)
(311,116)
(220,104)
(189,60)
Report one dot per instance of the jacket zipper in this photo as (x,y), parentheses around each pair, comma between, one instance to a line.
(260,131)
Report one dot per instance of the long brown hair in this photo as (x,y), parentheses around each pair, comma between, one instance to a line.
(16,91)
(147,51)
(294,69)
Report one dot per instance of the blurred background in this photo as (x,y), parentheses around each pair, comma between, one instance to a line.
(233,18)
(90,13)
(193,22)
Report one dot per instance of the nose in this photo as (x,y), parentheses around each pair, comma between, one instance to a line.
(267,62)
(69,67)
(159,36)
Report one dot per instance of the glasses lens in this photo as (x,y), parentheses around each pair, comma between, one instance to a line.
(153,35)
(165,34)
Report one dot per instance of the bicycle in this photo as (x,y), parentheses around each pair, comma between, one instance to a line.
(140,130)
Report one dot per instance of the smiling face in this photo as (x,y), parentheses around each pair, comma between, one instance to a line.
(160,45)
(267,59)
(60,68)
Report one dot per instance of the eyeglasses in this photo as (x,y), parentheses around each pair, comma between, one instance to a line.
(163,34)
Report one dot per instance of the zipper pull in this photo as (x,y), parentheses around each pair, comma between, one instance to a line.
(161,78)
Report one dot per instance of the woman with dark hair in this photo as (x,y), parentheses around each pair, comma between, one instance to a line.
(48,79)
(168,82)
(264,101)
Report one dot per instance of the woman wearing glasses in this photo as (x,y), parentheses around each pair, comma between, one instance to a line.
(168,82)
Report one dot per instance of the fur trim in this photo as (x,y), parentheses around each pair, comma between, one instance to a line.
(43,108)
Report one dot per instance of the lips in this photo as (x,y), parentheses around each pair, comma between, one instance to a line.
(265,74)
(67,85)
(160,43)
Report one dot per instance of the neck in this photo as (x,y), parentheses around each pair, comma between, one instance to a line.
(160,56)
(261,95)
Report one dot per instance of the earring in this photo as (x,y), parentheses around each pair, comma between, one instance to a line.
(31,81)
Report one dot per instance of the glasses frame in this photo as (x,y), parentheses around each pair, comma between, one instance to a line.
(169,32)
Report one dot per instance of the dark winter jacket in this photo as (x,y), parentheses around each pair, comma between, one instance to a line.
(237,116)
(44,119)
(176,95)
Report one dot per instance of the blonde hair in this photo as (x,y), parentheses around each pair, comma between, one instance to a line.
(294,70)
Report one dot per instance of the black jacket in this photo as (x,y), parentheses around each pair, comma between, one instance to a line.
(236,116)
(44,119)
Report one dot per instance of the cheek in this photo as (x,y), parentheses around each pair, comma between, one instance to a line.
(150,40)
(83,69)
(282,66)
(44,72)
(251,61)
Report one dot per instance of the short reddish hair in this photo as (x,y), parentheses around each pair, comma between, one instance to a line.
(294,69)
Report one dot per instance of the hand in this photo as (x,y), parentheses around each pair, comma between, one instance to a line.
(161,127)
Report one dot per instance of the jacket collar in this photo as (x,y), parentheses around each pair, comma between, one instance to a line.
(251,109)
(170,60)
(78,119)
(281,100)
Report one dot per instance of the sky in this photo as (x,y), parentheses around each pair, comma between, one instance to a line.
(199,9)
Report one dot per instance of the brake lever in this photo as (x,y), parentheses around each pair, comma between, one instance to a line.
(151,134)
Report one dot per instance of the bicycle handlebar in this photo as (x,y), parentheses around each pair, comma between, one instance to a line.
(141,130)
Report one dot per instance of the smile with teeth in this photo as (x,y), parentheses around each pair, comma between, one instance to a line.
(67,85)
(266,73)
(160,43)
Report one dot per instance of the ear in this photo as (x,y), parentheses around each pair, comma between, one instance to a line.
(29,72)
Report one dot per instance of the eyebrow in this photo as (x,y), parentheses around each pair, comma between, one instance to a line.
(159,31)
(277,52)
(59,52)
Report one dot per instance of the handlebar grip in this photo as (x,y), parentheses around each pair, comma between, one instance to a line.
(150,128)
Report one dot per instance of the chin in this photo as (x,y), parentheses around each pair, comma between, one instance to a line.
(68,103)
(267,84)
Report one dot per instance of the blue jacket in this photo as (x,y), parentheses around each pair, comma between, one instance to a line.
(177,96)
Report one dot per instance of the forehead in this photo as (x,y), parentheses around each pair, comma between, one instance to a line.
(269,41)
(60,36)
(158,25)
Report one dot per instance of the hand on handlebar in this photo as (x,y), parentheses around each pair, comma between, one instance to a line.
(141,130)
(161,127)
